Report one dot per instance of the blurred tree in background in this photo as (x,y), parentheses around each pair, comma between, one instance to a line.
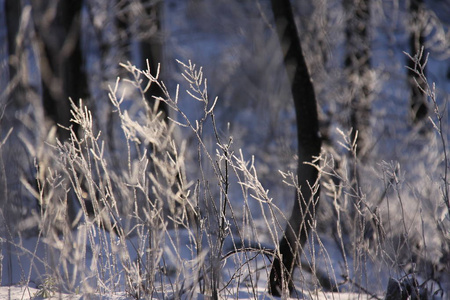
(419,108)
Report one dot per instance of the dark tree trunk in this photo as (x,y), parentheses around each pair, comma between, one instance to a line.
(309,145)
(13,9)
(357,68)
(144,25)
(357,64)
(58,32)
(418,106)
(61,59)
(14,157)
(20,117)
(150,42)
(151,49)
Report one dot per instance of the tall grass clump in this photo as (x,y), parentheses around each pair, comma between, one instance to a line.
(391,216)
(117,213)
(156,207)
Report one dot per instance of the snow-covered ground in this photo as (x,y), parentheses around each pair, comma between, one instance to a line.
(25,293)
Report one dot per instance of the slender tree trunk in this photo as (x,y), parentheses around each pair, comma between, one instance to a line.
(309,145)
(149,40)
(418,106)
(151,49)
(13,9)
(12,153)
(58,31)
(358,68)
(58,27)
(16,163)
(357,64)
(20,115)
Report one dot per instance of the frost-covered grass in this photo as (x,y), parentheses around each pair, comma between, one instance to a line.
(136,213)
(137,207)
(117,213)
